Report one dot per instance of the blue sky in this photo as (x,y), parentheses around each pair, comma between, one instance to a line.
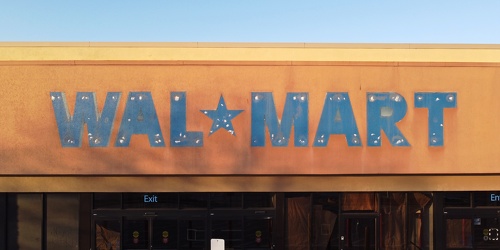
(367,21)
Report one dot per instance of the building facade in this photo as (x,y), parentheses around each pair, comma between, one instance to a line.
(265,146)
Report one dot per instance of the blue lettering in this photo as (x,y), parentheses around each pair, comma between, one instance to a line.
(99,125)
(494,197)
(337,118)
(149,199)
(264,114)
(179,137)
(383,111)
(140,117)
(436,102)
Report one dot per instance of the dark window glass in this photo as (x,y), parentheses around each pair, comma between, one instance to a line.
(165,234)
(229,230)
(457,199)
(193,200)
(258,233)
(324,228)
(107,200)
(298,221)
(327,201)
(487,199)
(192,234)
(418,220)
(486,233)
(225,200)
(150,200)
(135,234)
(359,202)
(458,233)
(360,233)
(258,200)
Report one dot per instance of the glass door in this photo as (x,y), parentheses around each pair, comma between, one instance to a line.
(358,232)
(480,230)
(157,232)
(136,233)
(229,229)
(187,221)
(487,232)
(164,233)
(193,234)
(243,232)
(145,233)
(258,233)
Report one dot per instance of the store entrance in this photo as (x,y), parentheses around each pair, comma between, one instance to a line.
(247,221)
(182,232)
(357,221)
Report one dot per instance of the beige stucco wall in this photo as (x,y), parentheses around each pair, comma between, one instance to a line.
(462,164)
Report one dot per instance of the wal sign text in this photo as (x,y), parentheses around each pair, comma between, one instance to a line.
(383,111)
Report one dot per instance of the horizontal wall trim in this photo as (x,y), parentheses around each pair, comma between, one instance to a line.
(249,52)
(250,45)
(249,183)
(248,63)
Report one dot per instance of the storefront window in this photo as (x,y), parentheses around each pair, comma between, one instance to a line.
(325,220)
(183,220)
(258,233)
(487,199)
(360,233)
(359,202)
(107,234)
(298,215)
(458,233)
(193,234)
(135,233)
(107,200)
(487,233)
(471,220)
(457,199)
(231,230)
(258,200)
(226,200)
(357,220)
(403,219)
(165,234)
(193,200)
(419,205)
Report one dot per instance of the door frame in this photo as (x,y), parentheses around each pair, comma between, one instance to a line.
(207,215)
(345,216)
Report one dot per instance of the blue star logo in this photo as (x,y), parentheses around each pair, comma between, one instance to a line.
(222,117)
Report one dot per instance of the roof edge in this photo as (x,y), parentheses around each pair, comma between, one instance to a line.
(289,52)
(252,45)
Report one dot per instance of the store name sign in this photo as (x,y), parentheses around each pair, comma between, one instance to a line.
(383,111)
